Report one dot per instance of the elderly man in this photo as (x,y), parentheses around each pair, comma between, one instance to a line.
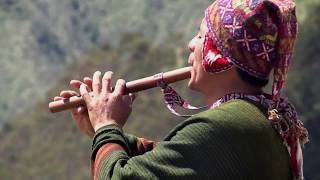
(246,134)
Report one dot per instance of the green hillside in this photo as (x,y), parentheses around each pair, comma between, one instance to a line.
(40,38)
(41,145)
(45,44)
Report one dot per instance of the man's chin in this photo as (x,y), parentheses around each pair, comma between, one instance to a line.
(191,84)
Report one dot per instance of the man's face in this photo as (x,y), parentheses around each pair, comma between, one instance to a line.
(195,58)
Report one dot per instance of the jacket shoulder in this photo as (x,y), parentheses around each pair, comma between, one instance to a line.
(237,113)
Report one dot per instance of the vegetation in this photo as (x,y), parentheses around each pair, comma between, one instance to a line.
(41,51)
(41,145)
(39,39)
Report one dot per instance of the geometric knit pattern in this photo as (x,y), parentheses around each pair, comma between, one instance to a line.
(172,98)
(232,141)
(212,60)
(258,36)
(255,35)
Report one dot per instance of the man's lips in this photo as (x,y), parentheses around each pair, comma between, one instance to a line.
(191,58)
(190,62)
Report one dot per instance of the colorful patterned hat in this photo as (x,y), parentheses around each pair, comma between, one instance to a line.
(258,36)
(255,35)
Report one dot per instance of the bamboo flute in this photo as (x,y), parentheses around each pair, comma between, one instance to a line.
(131,87)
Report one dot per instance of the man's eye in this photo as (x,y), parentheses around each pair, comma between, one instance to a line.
(199,36)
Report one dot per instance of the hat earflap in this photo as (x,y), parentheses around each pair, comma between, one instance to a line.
(212,59)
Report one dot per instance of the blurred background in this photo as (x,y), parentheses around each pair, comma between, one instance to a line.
(44,44)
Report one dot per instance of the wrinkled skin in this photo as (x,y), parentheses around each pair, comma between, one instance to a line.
(91,117)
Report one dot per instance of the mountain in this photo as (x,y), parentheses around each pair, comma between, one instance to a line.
(41,145)
(41,37)
(45,44)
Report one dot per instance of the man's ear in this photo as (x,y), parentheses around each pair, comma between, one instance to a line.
(212,59)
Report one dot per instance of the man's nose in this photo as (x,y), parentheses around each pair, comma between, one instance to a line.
(191,45)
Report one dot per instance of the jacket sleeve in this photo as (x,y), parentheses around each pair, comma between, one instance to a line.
(138,145)
(173,158)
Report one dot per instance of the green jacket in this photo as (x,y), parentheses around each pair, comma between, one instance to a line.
(232,141)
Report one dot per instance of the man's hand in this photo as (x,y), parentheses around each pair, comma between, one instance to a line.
(79,114)
(106,107)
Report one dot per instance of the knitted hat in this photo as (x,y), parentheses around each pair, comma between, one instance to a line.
(255,35)
(258,36)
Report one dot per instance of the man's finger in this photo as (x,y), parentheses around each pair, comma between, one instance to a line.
(130,98)
(81,109)
(106,82)
(133,96)
(84,93)
(96,84)
(68,93)
(88,82)
(57,98)
(75,84)
(120,88)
